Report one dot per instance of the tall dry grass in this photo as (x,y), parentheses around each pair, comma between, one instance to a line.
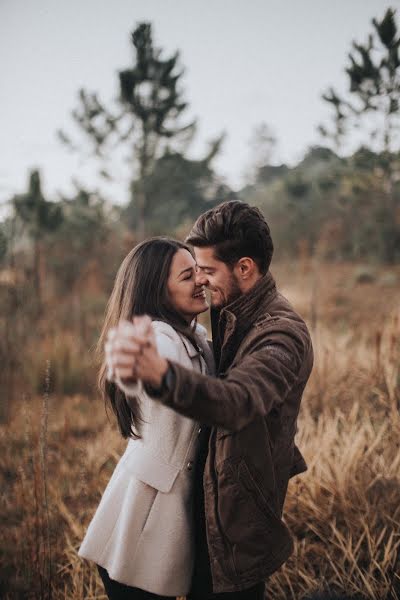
(57,454)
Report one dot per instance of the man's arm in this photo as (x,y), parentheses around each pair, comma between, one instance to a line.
(261,380)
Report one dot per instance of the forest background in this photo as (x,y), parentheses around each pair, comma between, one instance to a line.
(335,221)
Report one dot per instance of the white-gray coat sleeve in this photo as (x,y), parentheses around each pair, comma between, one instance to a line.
(168,342)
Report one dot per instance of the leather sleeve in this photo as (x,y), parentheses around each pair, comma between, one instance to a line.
(261,379)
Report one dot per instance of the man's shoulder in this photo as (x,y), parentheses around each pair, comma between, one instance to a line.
(279,311)
(279,332)
(279,321)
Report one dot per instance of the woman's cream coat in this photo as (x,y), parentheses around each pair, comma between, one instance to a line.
(142,531)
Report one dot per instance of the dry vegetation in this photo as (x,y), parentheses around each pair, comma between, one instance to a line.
(57,455)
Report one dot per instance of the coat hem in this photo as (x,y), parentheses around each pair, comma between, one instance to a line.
(158,591)
(257,574)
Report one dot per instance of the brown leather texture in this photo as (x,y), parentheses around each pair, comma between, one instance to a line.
(264,359)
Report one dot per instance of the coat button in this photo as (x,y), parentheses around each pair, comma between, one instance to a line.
(190,465)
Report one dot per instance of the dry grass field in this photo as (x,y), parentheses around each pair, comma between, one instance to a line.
(57,454)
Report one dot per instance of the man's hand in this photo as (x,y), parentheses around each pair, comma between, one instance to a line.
(131,353)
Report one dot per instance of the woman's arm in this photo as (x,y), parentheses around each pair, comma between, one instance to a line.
(167,342)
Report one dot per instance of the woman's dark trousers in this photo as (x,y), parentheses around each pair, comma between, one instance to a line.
(119,591)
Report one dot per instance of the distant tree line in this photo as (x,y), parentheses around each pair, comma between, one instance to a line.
(59,256)
(339,204)
(340,208)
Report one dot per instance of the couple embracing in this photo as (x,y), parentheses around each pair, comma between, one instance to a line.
(194,505)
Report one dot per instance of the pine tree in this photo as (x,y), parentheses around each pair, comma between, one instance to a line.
(39,217)
(374,87)
(374,93)
(150,105)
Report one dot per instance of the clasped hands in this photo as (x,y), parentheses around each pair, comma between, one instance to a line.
(131,353)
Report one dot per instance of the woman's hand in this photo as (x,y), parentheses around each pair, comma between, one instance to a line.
(121,348)
(131,353)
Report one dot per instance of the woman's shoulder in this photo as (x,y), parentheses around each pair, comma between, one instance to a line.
(163,327)
(169,342)
(201,331)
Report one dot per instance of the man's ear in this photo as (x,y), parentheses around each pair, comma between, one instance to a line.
(245,267)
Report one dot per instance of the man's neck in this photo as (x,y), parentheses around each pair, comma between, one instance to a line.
(247,284)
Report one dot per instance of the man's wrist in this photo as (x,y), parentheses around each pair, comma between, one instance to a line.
(159,373)
(164,386)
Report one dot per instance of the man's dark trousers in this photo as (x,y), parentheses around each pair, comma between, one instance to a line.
(201,581)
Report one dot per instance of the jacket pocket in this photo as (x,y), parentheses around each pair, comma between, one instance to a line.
(150,469)
(242,512)
(252,528)
(253,491)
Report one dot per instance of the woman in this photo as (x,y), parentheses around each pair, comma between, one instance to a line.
(141,536)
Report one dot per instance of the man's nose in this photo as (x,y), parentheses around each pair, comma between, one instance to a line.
(201,278)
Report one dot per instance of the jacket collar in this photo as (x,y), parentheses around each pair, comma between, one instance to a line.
(232,322)
(190,349)
(248,307)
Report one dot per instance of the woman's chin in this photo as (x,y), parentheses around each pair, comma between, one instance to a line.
(195,309)
(201,307)
(206,307)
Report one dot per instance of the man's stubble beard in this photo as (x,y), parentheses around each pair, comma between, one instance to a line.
(233,294)
(234,291)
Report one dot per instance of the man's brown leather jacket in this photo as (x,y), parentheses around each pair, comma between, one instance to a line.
(264,358)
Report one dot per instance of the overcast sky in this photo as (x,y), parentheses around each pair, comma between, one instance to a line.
(247,61)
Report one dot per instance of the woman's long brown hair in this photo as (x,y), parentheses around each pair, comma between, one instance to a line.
(140,288)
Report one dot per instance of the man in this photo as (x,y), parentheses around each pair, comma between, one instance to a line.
(264,358)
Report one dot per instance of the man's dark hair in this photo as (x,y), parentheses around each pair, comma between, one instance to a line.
(234,229)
